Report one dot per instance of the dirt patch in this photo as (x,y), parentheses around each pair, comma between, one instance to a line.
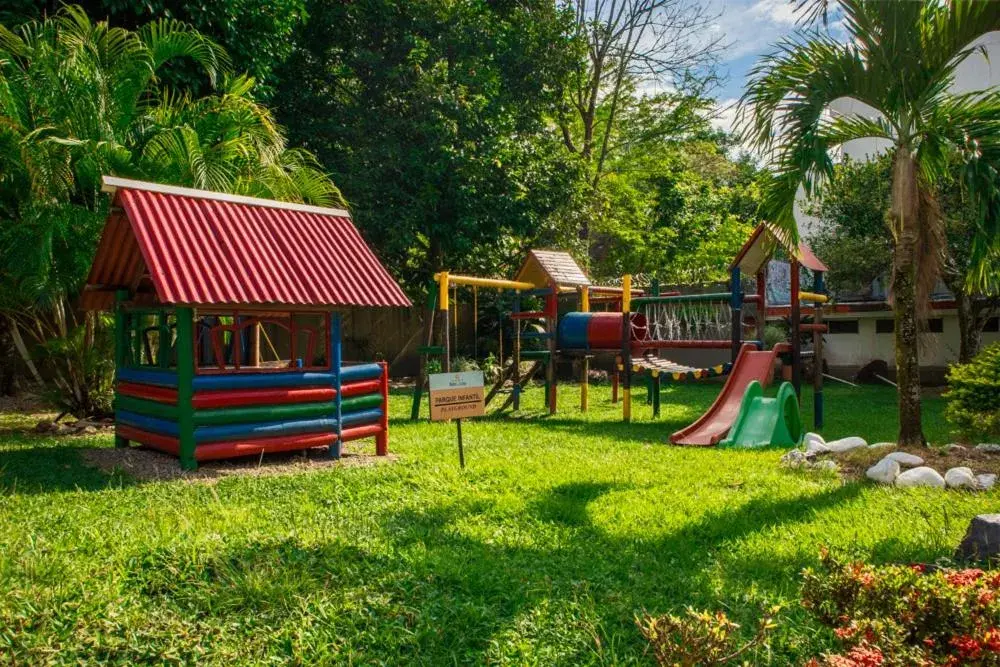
(149,465)
(854,463)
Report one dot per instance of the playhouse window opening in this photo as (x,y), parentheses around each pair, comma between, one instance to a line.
(254,342)
(150,339)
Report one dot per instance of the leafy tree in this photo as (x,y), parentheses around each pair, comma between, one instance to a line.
(856,242)
(679,210)
(631,44)
(79,99)
(432,119)
(899,58)
(255,33)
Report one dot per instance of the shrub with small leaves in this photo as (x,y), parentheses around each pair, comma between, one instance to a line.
(974,394)
(701,637)
(905,615)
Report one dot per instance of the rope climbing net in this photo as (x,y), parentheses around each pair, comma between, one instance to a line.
(711,320)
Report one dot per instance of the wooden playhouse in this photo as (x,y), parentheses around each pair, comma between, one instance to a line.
(228,323)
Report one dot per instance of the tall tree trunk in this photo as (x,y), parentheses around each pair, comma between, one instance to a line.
(905,223)
(969,326)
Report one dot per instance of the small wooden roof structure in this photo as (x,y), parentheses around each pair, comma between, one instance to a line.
(543,267)
(197,248)
(760,247)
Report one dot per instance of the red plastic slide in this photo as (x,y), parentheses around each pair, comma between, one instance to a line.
(713,426)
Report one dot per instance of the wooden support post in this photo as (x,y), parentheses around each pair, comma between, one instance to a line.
(382,438)
(761,303)
(551,322)
(443,306)
(627,348)
(254,345)
(818,355)
(121,347)
(516,390)
(656,393)
(185,386)
(336,364)
(418,388)
(585,361)
(615,379)
(736,309)
(796,332)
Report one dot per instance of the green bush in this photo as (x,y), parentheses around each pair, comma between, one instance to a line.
(974,395)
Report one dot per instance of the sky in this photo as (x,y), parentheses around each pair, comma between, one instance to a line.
(750,28)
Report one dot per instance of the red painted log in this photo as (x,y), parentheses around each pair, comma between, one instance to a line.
(148,392)
(211,451)
(361,387)
(231,398)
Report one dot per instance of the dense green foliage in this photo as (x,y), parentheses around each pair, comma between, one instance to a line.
(558,533)
(431,118)
(80,99)
(974,394)
(255,33)
(679,210)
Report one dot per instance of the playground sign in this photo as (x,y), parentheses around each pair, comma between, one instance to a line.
(457,395)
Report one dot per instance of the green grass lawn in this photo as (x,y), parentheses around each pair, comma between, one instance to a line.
(542,551)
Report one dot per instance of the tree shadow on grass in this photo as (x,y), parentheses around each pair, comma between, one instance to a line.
(445,585)
(41,468)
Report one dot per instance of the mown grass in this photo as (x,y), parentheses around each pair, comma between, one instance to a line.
(542,551)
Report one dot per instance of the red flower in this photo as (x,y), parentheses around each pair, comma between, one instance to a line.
(967,646)
(964,577)
(929,642)
(918,567)
(992,640)
(865,656)
(845,632)
(986,597)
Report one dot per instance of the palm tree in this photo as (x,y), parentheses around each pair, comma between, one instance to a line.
(80,99)
(899,58)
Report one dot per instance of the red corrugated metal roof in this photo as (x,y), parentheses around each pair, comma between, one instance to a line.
(202,248)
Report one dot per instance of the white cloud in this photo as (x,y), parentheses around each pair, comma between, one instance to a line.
(752,27)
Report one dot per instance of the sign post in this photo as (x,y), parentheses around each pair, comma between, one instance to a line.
(454,396)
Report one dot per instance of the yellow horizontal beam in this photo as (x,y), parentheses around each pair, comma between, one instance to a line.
(473,281)
(813,296)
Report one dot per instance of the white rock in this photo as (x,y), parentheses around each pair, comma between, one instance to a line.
(954,447)
(882,445)
(922,476)
(885,471)
(988,447)
(813,437)
(960,478)
(905,459)
(814,442)
(986,480)
(796,458)
(846,444)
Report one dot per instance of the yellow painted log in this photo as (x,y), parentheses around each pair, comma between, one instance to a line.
(473,281)
(442,280)
(626,292)
(813,296)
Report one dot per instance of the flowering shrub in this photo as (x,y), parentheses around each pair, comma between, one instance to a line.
(700,637)
(905,615)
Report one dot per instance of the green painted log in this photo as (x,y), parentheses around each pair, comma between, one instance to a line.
(365,402)
(534,354)
(185,386)
(264,413)
(143,407)
(683,298)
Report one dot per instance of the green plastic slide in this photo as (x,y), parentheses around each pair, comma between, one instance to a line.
(766,422)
